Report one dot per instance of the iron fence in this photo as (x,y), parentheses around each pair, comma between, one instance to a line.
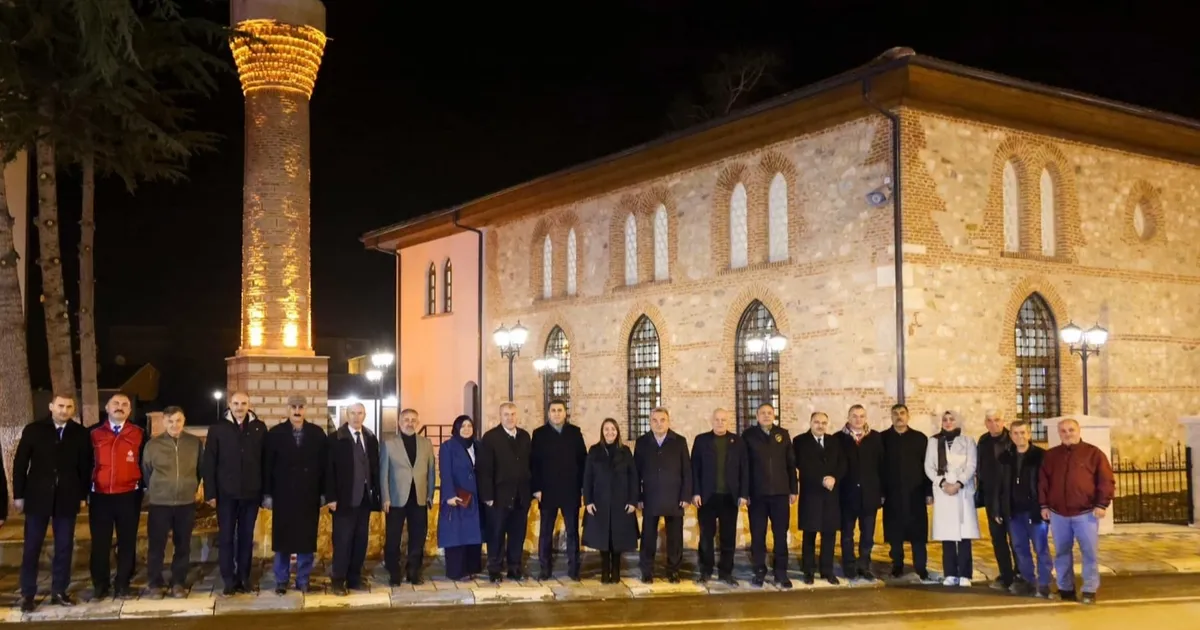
(1155,491)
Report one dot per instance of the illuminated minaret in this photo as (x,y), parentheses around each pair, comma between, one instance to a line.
(277,47)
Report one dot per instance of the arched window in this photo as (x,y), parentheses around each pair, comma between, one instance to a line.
(557,382)
(448,288)
(572,262)
(739,244)
(631,259)
(547,268)
(645,376)
(756,374)
(1011,193)
(661,253)
(1036,338)
(777,219)
(431,290)
(1048,218)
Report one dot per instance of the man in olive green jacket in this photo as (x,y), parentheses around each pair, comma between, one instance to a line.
(171,470)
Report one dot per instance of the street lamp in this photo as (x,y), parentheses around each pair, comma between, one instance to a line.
(217,396)
(545,366)
(376,376)
(509,341)
(760,347)
(1085,344)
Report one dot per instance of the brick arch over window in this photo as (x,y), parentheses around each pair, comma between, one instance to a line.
(733,316)
(642,206)
(1144,200)
(1070,379)
(536,250)
(560,228)
(771,165)
(665,353)
(727,181)
(1029,158)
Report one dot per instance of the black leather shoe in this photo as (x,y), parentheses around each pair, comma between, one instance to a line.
(339,589)
(757,581)
(673,578)
(240,587)
(808,578)
(179,591)
(416,580)
(122,592)
(281,590)
(545,576)
(516,576)
(1088,598)
(898,572)
(703,578)
(28,605)
(866,575)
(61,599)
(101,594)
(729,580)
(1067,596)
(783,583)
(395,580)
(229,590)
(832,579)
(647,578)
(495,578)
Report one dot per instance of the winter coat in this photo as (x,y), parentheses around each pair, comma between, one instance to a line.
(503,466)
(955,518)
(52,476)
(862,487)
(819,509)
(557,461)
(665,473)
(1018,487)
(905,486)
(704,466)
(610,482)
(294,478)
(772,462)
(339,473)
(458,525)
(172,469)
(233,458)
(1075,479)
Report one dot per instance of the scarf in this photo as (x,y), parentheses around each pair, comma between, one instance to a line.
(456,432)
(859,438)
(945,440)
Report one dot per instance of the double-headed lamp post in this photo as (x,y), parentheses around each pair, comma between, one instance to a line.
(217,396)
(545,366)
(760,347)
(1085,344)
(382,362)
(509,341)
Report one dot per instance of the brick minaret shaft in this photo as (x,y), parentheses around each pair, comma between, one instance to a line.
(277,47)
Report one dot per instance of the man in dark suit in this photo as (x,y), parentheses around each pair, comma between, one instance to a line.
(558,455)
(52,472)
(352,489)
(721,478)
(504,487)
(861,490)
(772,490)
(233,477)
(907,493)
(819,460)
(665,471)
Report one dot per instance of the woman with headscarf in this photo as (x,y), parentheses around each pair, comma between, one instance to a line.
(950,460)
(459,528)
(610,492)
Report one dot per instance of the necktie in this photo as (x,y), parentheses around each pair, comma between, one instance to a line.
(60,432)
(821,442)
(358,440)
(116,429)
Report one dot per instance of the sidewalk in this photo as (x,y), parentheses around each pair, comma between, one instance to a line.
(1133,550)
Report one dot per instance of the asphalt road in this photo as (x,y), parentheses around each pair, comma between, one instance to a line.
(1159,602)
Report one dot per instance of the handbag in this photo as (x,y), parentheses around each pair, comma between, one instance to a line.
(464,496)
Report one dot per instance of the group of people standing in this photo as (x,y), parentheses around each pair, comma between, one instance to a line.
(293,469)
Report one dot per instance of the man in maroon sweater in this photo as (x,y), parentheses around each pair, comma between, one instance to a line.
(1075,488)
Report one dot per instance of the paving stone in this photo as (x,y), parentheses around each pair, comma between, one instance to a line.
(1185,564)
(506,593)
(107,609)
(662,587)
(266,602)
(444,597)
(144,608)
(1142,567)
(375,599)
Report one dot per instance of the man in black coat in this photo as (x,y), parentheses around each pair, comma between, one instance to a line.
(821,465)
(665,472)
(352,489)
(906,493)
(295,460)
(861,490)
(558,455)
(233,473)
(52,472)
(772,488)
(993,446)
(721,481)
(504,473)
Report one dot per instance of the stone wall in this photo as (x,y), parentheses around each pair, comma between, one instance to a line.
(1144,287)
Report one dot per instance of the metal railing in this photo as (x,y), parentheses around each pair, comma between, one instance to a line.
(1155,491)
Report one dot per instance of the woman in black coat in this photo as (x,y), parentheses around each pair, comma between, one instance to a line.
(610,491)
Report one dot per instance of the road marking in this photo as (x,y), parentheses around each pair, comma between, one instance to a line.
(1025,606)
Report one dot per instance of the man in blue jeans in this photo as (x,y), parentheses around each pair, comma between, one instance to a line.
(1075,487)
(1017,504)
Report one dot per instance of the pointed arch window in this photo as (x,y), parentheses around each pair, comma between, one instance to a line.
(739,244)
(756,374)
(645,375)
(431,290)
(1048,213)
(777,219)
(1038,376)
(572,262)
(661,254)
(557,382)
(1011,193)
(448,288)
(547,268)
(631,253)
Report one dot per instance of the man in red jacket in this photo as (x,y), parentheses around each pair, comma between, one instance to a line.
(116,497)
(1075,489)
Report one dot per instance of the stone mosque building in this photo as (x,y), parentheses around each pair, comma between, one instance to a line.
(1017,207)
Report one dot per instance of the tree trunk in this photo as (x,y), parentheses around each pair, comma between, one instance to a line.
(88,374)
(16,399)
(54,297)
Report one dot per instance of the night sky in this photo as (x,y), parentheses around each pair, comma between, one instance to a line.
(422,105)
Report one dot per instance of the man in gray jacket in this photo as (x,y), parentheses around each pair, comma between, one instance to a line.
(171,470)
(406,482)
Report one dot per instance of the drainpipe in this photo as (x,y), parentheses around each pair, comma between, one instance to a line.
(479,313)
(897,236)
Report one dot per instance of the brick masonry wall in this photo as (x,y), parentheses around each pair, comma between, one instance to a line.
(832,298)
(269,381)
(965,293)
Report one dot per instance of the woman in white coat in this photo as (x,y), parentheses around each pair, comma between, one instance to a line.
(950,459)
